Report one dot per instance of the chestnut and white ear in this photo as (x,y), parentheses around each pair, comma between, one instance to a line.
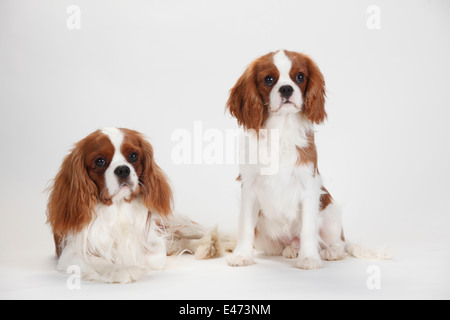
(245,102)
(73,197)
(156,191)
(314,103)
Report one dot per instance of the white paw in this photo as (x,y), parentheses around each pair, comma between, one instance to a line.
(308,263)
(333,253)
(157,261)
(121,274)
(290,252)
(237,260)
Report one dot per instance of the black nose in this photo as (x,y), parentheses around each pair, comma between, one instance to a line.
(286,91)
(122,171)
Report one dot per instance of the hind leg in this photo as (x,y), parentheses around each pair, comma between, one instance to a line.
(331,233)
(292,249)
(269,246)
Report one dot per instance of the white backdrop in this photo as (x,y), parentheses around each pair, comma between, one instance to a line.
(159,66)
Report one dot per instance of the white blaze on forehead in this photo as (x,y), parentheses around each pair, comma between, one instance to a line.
(283,64)
(116,138)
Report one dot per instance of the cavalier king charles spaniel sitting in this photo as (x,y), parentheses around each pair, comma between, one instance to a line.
(110,210)
(277,101)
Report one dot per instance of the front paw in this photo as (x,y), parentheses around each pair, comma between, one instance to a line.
(238,260)
(157,261)
(309,263)
(119,274)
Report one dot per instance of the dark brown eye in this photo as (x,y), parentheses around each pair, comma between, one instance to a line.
(269,81)
(133,157)
(100,162)
(300,77)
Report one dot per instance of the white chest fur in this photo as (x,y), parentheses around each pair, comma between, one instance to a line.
(118,234)
(280,193)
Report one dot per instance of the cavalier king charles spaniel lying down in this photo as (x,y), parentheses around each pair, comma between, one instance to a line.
(110,210)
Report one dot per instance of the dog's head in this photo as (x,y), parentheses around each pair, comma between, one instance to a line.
(280,82)
(106,167)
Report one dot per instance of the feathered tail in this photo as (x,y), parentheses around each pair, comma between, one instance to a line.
(358,251)
(184,235)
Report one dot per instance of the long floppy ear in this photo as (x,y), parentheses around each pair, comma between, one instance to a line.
(314,105)
(245,102)
(73,197)
(157,194)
